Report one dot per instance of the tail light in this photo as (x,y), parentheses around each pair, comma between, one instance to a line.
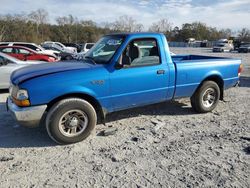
(240,69)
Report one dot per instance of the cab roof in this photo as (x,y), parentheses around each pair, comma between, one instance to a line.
(139,34)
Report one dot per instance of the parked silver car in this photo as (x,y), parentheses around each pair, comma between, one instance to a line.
(9,64)
(60,46)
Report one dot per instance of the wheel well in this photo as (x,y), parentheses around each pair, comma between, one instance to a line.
(98,108)
(218,80)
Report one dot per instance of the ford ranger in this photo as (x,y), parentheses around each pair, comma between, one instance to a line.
(121,71)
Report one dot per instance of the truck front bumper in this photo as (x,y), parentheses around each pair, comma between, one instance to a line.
(26,116)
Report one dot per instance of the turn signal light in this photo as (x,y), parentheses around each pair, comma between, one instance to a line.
(23,103)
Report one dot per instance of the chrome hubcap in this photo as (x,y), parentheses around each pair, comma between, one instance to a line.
(73,123)
(209,97)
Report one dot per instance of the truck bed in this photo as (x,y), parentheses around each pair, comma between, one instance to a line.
(191,70)
(181,58)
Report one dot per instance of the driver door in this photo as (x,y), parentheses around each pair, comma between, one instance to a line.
(25,54)
(144,81)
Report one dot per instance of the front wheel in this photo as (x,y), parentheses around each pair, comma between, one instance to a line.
(206,98)
(70,121)
(68,58)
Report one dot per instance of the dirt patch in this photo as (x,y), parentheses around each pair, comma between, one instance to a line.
(162,145)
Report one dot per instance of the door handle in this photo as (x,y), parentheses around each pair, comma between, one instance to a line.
(161,72)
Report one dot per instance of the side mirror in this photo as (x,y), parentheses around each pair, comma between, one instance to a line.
(124,61)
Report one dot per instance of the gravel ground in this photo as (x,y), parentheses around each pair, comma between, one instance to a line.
(163,145)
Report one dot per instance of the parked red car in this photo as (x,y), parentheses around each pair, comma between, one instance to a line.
(24,53)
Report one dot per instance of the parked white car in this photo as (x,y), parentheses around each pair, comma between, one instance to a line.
(62,46)
(8,64)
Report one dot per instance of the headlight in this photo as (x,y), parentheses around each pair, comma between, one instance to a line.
(19,96)
(22,95)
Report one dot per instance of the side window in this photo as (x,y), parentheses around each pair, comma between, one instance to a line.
(27,46)
(23,51)
(143,52)
(6,50)
(30,46)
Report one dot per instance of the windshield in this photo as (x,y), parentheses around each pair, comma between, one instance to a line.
(40,48)
(9,58)
(60,44)
(104,49)
(220,45)
(4,60)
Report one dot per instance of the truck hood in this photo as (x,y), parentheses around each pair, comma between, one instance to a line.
(29,72)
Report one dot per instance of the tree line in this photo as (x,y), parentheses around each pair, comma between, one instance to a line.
(35,27)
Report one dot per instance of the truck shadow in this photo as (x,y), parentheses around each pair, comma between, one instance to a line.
(14,136)
(172,108)
(244,81)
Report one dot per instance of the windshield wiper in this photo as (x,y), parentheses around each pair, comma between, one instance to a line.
(91,59)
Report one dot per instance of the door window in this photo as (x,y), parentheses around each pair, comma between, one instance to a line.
(6,50)
(23,51)
(143,52)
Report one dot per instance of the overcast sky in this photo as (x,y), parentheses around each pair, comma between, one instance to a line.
(234,14)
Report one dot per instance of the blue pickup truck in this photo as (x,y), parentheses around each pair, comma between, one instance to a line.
(121,71)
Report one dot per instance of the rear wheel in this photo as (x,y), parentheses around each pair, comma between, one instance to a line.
(206,98)
(70,121)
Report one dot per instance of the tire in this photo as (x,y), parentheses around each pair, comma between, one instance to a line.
(63,121)
(206,98)
(68,58)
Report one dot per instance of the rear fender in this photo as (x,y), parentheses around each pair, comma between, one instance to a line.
(217,78)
